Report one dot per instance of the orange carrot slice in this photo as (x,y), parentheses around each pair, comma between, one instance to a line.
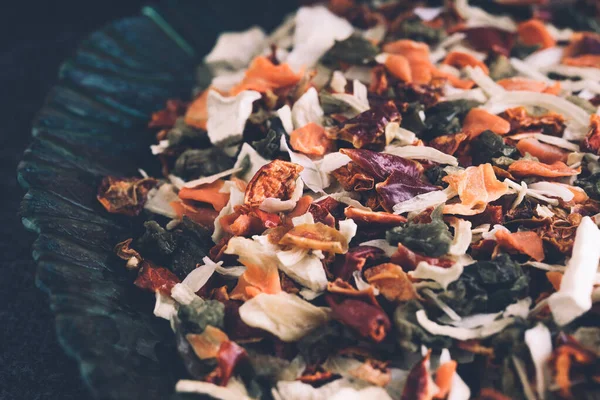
(255,280)
(197,114)
(460,60)
(443,378)
(519,83)
(479,120)
(408,48)
(528,243)
(579,195)
(399,67)
(476,187)
(263,75)
(204,216)
(421,70)
(557,169)
(544,152)
(208,193)
(533,32)
(555,279)
(453,79)
(585,60)
(310,139)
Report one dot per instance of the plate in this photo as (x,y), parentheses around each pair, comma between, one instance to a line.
(93,124)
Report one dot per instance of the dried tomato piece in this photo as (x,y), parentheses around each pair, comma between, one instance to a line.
(277,179)
(393,283)
(353,178)
(419,385)
(124,195)
(355,260)
(368,128)
(591,142)
(365,217)
(448,143)
(520,121)
(366,319)
(316,237)
(409,260)
(166,117)
(153,278)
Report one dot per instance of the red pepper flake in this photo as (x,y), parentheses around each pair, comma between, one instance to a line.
(153,278)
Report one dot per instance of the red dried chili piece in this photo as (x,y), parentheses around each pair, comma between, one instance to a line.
(399,187)
(366,319)
(381,165)
(153,278)
(381,219)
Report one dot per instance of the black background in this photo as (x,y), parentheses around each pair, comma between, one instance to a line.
(35,37)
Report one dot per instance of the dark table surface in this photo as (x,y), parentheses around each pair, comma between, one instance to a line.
(36,36)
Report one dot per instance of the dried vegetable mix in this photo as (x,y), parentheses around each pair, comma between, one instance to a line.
(391,200)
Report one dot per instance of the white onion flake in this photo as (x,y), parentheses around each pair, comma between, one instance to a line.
(575,294)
